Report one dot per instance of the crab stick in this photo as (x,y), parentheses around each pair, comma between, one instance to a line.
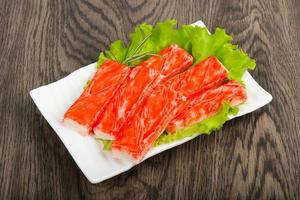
(167,99)
(86,110)
(207,104)
(138,86)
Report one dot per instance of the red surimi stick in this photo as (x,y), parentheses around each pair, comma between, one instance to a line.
(85,111)
(206,104)
(148,123)
(138,86)
(168,99)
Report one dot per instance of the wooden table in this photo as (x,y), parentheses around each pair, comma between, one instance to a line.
(256,156)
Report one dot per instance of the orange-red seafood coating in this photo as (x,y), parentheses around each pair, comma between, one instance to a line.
(138,86)
(206,104)
(204,75)
(85,111)
(138,134)
(168,99)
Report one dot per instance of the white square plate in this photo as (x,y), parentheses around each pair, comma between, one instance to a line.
(54,99)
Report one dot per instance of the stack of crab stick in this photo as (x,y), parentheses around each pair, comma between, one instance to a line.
(133,107)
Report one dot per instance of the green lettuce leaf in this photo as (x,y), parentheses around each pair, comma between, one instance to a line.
(106,144)
(116,52)
(235,60)
(204,127)
(86,84)
(148,40)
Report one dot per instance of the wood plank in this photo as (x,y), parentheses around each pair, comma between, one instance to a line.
(256,156)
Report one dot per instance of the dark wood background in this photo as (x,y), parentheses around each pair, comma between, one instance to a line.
(256,156)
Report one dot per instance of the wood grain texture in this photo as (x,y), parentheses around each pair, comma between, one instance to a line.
(256,156)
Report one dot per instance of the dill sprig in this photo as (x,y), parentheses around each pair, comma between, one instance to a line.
(135,56)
